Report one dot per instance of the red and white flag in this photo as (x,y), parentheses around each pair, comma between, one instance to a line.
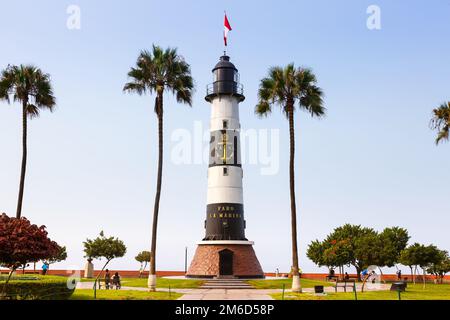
(227,28)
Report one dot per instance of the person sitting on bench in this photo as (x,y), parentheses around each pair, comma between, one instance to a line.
(107,279)
(116,280)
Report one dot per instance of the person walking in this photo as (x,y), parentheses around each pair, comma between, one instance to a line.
(44,268)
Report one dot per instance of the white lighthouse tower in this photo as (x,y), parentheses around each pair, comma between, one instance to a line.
(225,251)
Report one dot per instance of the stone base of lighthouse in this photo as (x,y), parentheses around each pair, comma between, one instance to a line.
(225,259)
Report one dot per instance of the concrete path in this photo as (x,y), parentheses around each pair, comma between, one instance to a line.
(239,294)
(205,294)
(227,294)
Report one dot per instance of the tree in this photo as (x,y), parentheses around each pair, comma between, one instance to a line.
(408,258)
(285,87)
(427,256)
(315,253)
(22,242)
(418,255)
(103,247)
(441,121)
(32,87)
(331,254)
(361,245)
(441,267)
(143,258)
(60,255)
(157,72)
(394,241)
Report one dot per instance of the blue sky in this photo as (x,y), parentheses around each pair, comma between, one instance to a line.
(92,163)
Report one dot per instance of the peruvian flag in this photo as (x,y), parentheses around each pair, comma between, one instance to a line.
(227,28)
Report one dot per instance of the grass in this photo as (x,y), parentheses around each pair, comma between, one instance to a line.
(86,294)
(163,283)
(160,283)
(30,277)
(413,292)
(278,284)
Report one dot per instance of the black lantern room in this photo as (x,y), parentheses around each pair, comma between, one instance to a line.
(226,81)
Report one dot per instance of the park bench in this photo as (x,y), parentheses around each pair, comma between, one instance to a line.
(101,284)
(399,286)
(331,278)
(344,283)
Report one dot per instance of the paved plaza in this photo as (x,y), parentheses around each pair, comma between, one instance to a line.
(238,294)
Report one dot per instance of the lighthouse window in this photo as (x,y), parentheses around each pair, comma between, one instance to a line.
(225,171)
(225,124)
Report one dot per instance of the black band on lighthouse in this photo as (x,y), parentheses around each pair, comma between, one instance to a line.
(225,221)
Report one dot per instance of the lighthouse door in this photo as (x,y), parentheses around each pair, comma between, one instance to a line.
(226,262)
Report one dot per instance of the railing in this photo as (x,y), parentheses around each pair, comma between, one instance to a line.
(223,87)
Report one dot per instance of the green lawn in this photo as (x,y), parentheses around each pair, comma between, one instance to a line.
(163,283)
(86,294)
(160,283)
(278,284)
(413,292)
(18,276)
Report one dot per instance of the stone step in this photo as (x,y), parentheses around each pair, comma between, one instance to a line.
(225,287)
(225,281)
(226,284)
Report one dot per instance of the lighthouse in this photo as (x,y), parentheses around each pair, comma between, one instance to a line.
(225,251)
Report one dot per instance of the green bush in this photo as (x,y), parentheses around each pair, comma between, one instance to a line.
(37,288)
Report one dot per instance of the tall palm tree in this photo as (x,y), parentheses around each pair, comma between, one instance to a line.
(441,121)
(32,87)
(285,87)
(157,72)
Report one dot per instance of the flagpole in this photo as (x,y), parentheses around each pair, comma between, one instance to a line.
(224,41)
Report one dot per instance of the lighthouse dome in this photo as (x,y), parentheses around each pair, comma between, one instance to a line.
(226,81)
(224,63)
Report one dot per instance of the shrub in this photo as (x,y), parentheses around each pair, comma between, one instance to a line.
(39,288)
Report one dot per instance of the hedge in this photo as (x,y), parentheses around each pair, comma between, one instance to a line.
(37,288)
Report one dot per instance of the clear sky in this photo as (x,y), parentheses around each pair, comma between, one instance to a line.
(92,163)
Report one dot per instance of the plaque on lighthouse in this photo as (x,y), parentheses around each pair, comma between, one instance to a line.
(225,250)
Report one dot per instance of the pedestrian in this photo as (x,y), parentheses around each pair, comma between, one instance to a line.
(44,268)
(107,279)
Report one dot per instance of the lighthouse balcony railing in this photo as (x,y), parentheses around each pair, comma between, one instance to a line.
(224,87)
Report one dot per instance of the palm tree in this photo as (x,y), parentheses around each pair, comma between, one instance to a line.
(32,87)
(157,72)
(441,122)
(285,87)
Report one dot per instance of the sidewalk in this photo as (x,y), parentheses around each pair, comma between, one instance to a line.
(206,294)
(238,294)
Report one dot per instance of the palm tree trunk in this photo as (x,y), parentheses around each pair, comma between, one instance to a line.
(296,286)
(24,160)
(152,274)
